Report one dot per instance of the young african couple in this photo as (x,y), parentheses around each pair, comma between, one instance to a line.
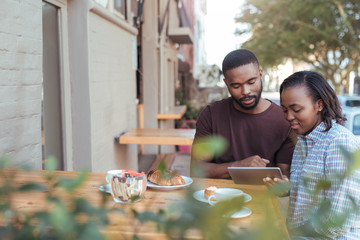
(302,138)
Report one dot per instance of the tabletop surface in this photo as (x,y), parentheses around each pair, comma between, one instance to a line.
(158,136)
(174,112)
(260,205)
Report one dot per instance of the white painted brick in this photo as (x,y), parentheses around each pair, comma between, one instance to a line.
(28,45)
(29,156)
(30,3)
(7,12)
(30,77)
(20,82)
(26,61)
(20,61)
(19,93)
(22,19)
(9,77)
(19,109)
(20,132)
(14,77)
(7,60)
(8,42)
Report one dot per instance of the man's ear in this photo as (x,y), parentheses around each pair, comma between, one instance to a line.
(225,82)
(261,73)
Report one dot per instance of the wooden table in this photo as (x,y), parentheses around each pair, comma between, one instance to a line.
(174,112)
(120,227)
(158,136)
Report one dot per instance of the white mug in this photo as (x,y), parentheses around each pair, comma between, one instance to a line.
(222,194)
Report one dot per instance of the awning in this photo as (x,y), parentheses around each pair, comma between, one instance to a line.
(181,35)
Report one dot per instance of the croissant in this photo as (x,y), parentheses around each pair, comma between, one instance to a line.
(168,178)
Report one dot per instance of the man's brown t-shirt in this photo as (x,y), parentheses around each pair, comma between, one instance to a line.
(265,134)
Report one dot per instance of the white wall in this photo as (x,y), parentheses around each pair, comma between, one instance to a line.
(20,81)
(112,93)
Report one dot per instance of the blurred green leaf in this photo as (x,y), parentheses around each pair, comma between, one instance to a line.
(62,221)
(32,187)
(4,207)
(52,199)
(69,184)
(281,189)
(135,237)
(89,231)
(321,185)
(162,167)
(209,147)
(51,164)
(5,162)
(26,232)
(148,216)
(355,163)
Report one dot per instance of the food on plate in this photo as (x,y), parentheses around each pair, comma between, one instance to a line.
(209,191)
(166,178)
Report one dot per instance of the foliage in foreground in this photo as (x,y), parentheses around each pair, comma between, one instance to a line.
(81,220)
(77,219)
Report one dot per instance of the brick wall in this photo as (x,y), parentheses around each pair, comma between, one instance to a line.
(20,81)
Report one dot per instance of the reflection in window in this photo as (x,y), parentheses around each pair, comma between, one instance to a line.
(120,6)
(353,103)
(356,128)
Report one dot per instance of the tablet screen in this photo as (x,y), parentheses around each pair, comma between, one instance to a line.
(253,175)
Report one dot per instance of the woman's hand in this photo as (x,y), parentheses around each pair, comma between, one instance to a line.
(271,182)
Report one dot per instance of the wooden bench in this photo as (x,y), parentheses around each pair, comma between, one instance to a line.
(157,136)
(174,112)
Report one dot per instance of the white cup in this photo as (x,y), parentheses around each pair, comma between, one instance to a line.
(222,194)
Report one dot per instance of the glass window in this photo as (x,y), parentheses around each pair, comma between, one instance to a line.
(356,125)
(353,103)
(120,6)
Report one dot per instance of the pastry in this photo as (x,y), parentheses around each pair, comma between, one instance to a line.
(167,178)
(209,191)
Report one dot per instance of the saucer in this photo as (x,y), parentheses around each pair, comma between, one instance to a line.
(105,188)
(199,195)
(244,212)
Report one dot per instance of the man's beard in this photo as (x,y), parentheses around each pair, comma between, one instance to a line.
(247,107)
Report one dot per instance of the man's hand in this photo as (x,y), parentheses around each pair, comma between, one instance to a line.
(253,161)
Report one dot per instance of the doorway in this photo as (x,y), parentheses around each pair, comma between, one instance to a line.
(51,117)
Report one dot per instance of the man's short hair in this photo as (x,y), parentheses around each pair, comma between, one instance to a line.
(238,58)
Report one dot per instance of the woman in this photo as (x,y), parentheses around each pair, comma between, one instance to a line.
(314,112)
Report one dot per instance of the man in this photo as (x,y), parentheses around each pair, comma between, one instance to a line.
(256,131)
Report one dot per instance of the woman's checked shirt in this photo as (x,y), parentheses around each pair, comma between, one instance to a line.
(318,156)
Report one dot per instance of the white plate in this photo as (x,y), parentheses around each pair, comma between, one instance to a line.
(199,195)
(105,188)
(188,181)
(244,212)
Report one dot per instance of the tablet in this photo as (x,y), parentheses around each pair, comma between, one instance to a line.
(253,175)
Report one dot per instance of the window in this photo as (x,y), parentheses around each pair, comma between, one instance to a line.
(129,10)
(353,103)
(120,7)
(356,125)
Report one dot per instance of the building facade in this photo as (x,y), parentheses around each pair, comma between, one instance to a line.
(73,73)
